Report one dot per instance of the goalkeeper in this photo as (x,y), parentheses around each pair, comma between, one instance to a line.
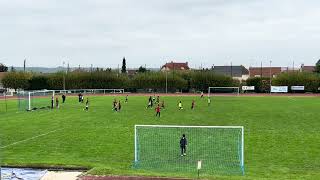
(183,145)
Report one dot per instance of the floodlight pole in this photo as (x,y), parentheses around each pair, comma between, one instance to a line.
(270,76)
(64,78)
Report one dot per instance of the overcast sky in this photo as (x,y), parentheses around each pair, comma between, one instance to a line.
(151,32)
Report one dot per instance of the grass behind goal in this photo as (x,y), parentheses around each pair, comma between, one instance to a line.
(219,148)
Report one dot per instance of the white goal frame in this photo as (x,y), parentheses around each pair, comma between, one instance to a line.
(29,96)
(177,126)
(238,89)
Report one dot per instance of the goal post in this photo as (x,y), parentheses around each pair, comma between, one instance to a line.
(32,100)
(223,90)
(219,148)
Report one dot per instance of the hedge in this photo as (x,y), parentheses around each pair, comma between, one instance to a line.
(176,81)
(311,81)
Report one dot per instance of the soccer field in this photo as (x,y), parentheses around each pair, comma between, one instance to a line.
(282,134)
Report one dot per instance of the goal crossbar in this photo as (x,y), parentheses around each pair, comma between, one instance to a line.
(175,126)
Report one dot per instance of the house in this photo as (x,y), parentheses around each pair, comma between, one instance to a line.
(175,66)
(236,72)
(265,71)
(307,68)
(132,72)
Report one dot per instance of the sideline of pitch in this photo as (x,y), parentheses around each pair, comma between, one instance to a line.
(34,137)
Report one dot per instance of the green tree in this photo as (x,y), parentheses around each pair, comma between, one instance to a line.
(124,66)
(3,68)
(318,66)
(142,69)
(16,80)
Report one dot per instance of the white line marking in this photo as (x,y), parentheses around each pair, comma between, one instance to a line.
(30,138)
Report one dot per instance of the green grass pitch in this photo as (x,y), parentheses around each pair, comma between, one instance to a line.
(282,134)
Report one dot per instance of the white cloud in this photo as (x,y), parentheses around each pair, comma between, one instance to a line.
(47,32)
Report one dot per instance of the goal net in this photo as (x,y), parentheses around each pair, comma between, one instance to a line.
(220,148)
(223,91)
(33,100)
(3,101)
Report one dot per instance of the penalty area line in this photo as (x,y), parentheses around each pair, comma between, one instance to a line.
(34,137)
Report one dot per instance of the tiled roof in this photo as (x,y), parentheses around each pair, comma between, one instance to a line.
(176,66)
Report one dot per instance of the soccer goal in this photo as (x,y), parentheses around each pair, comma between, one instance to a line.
(32,100)
(219,148)
(223,90)
(3,101)
(90,91)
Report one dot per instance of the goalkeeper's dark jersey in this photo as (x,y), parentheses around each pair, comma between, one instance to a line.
(183,141)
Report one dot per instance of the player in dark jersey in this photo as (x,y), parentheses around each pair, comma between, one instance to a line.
(183,145)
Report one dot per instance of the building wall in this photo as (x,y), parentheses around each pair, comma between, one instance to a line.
(264,71)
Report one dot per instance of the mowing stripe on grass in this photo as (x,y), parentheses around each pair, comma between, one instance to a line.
(34,137)
(292,98)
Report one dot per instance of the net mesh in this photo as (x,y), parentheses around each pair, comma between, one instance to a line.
(37,100)
(219,149)
(3,102)
(223,90)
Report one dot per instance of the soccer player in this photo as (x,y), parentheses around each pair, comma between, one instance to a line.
(52,102)
(158,100)
(154,98)
(209,101)
(158,109)
(183,145)
(201,94)
(63,98)
(180,105)
(126,99)
(149,105)
(80,97)
(57,103)
(119,106)
(87,104)
(192,105)
(162,105)
(114,105)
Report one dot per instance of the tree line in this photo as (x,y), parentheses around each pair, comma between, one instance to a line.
(189,81)
(311,81)
(154,81)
